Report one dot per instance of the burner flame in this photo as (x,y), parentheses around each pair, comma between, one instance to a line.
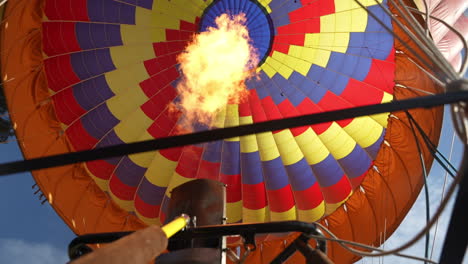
(215,66)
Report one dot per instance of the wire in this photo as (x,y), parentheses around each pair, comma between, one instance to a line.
(426,229)
(343,243)
(442,194)
(419,37)
(426,188)
(428,73)
(427,16)
(417,55)
(415,89)
(427,46)
(449,168)
(464,65)
(460,121)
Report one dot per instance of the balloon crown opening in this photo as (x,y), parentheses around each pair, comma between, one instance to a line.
(261,32)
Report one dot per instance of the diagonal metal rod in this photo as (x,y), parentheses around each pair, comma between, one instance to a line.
(230,132)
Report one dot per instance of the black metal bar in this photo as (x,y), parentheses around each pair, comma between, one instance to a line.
(217,134)
(288,251)
(78,251)
(79,242)
(209,232)
(98,238)
(456,239)
(306,250)
(312,256)
(240,229)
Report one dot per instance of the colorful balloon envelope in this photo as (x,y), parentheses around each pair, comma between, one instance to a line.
(85,74)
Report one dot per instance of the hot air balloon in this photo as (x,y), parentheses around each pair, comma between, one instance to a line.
(85,74)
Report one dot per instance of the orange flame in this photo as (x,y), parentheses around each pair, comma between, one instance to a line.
(214,67)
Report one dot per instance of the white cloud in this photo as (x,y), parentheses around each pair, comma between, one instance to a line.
(14,251)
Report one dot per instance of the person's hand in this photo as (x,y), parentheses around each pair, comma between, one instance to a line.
(140,247)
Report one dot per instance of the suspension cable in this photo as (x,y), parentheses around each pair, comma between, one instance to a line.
(421,233)
(448,166)
(427,48)
(344,243)
(442,194)
(426,188)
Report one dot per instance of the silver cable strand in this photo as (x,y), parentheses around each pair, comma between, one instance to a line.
(442,194)
(427,15)
(419,235)
(464,65)
(427,46)
(390,31)
(432,49)
(345,243)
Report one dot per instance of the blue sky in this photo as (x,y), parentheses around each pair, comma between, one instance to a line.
(28,230)
(33,233)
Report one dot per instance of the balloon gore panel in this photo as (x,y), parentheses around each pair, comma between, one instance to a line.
(112,70)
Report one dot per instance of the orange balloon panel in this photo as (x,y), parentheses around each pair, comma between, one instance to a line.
(77,76)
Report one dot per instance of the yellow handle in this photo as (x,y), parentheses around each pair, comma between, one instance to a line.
(176,225)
